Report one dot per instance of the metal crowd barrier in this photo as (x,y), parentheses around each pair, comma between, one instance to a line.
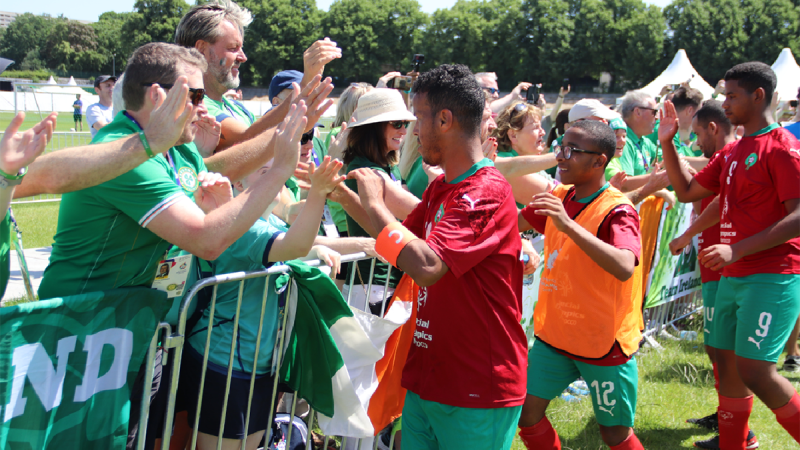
(658,318)
(60,140)
(174,340)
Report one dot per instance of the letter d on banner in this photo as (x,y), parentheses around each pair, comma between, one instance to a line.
(122,342)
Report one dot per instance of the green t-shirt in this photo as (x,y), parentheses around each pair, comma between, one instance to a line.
(613,168)
(102,241)
(246,254)
(355,230)
(228,108)
(638,155)
(417,180)
(5,253)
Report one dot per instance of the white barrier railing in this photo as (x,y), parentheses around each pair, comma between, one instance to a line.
(175,340)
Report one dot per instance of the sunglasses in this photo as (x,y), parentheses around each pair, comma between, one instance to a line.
(196,95)
(399,124)
(567,151)
(653,110)
(491,90)
(306,137)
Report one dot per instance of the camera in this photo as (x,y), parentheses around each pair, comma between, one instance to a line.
(418,60)
(401,83)
(532,95)
(793,103)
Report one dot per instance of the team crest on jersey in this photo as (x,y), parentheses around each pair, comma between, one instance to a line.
(750,160)
(188,178)
(439,214)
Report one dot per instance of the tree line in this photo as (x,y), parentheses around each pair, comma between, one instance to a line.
(542,41)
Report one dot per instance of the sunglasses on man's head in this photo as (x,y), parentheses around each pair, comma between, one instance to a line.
(397,124)
(491,90)
(196,95)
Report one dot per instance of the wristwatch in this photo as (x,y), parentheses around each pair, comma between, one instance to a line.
(7,180)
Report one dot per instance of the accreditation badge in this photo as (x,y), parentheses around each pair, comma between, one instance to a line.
(171,275)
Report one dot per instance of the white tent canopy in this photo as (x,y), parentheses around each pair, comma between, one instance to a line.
(679,71)
(788,73)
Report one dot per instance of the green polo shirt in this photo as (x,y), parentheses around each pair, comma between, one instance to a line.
(249,253)
(227,108)
(5,252)
(355,230)
(417,180)
(102,241)
(638,155)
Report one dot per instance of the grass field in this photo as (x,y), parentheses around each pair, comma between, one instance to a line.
(64,122)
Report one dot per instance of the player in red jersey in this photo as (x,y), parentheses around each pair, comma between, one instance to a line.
(757,301)
(466,369)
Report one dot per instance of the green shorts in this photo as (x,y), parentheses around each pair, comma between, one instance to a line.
(613,388)
(431,425)
(709,296)
(754,315)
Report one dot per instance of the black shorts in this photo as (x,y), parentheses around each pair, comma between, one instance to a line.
(214,396)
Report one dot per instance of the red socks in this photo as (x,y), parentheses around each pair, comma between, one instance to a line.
(733,414)
(632,443)
(716,377)
(541,436)
(788,416)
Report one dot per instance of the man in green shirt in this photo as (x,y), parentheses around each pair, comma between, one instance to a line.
(114,234)
(639,113)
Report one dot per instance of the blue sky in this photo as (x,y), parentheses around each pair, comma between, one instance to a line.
(91,9)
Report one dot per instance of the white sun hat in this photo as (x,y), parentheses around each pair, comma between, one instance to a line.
(380,105)
(589,107)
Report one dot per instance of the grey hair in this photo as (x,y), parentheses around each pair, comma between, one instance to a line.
(348,102)
(631,101)
(202,22)
(490,75)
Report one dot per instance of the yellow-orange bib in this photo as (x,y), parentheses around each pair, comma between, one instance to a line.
(583,309)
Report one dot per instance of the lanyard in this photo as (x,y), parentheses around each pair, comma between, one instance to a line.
(167,154)
(316,158)
(644,160)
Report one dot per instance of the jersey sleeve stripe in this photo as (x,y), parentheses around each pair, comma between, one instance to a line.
(161,206)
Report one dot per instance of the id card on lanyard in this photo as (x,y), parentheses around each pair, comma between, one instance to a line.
(645,163)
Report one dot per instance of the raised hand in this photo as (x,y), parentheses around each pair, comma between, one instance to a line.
(562,92)
(213,191)
(384,80)
(549,205)
(318,55)
(18,150)
(523,86)
(490,148)
(668,127)
(618,180)
(370,185)
(168,118)
(325,178)
(339,143)
(208,133)
(287,139)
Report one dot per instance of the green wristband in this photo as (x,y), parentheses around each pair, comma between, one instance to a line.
(18,176)
(146,145)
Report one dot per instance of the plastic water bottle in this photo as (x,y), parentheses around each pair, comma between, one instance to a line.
(688,335)
(527,280)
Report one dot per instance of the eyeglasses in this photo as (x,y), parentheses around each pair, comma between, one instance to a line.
(196,95)
(306,137)
(399,124)
(653,110)
(567,151)
(491,90)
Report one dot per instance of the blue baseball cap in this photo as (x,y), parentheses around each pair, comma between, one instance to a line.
(283,80)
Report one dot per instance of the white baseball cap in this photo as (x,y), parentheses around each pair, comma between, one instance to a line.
(589,107)
(380,105)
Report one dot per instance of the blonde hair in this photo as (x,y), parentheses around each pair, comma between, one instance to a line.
(348,102)
(514,116)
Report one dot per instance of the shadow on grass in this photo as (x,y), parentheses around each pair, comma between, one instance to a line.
(684,373)
(653,438)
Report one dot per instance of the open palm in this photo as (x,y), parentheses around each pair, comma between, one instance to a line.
(18,150)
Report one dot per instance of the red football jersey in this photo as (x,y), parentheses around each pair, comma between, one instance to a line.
(469,349)
(753,177)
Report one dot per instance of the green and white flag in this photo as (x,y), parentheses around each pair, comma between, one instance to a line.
(67,364)
(672,277)
(331,350)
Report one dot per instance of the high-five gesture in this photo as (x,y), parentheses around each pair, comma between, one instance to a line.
(169,116)
(316,57)
(325,178)
(668,127)
(18,150)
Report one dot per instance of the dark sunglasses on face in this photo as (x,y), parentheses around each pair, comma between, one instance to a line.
(399,124)
(567,151)
(306,137)
(196,95)
(491,90)
(653,110)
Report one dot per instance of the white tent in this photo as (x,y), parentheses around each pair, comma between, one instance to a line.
(679,71)
(51,80)
(788,73)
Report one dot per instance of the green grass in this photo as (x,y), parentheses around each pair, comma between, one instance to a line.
(37,221)
(64,122)
(674,384)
